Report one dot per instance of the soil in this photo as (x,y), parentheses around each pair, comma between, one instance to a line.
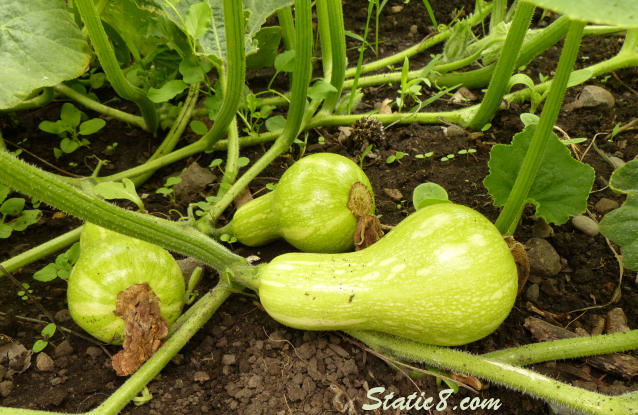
(242,361)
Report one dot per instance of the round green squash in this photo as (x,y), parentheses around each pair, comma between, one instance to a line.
(443,276)
(106,267)
(308,208)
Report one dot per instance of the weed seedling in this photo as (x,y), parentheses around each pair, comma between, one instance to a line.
(14,206)
(167,189)
(24,293)
(47,332)
(62,266)
(395,157)
(448,157)
(425,155)
(70,128)
(364,154)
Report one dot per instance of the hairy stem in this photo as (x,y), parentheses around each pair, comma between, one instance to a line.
(515,377)
(177,237)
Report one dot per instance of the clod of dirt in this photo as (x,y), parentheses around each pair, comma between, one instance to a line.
(605,205)
(463,95)
(616,321)
(93,352)
(543,258)
(229,359)
(63,349)
(16,357)
(44,363)
(542,229)
(242,198)
(144,327)
(520,258)
(201,376)
(6,387)
(194,180)
(368,231)
(532,293)
(453,131)
(592,96)
(394,194)
(62,316)
(598,325)
(586,225)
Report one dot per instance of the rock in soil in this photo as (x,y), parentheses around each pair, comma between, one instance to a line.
(44,363)
(63,349)
(586,225)
(5,388)
(616,321)
(532,292)
(543,258)
(605,205)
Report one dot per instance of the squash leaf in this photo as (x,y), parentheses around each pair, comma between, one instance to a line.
(561,187)
(615,13)
(621,225)
(212,40)
(40,46)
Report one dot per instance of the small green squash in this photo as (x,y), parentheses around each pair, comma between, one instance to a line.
(110,262)
(443,276)
(308,208)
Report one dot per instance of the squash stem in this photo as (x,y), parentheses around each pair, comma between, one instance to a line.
(300,79)
(497,372)
(177,237)
(535,153)
(566,348)
(505,65)
(96,106)
(106,55)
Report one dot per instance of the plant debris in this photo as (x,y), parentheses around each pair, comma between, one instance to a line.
(144,327)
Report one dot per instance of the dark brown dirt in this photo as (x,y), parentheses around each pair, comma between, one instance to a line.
(244,362)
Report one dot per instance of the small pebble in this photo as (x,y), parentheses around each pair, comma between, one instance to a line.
(605,205)
(394,194)
(586,225)
(532,292)
(542,229)
(94,352)
(396,9)
(593,96)
(201,376)
(44,363)
(5,388)
(616,321)
(414,29)
(228,359)
(454,131)
(63,316)
(63,349)
(56,381)
(543,258)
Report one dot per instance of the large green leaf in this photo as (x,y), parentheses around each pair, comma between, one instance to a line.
(213,41)
(622,13)
(621,225)
(561,187)
(40,46)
